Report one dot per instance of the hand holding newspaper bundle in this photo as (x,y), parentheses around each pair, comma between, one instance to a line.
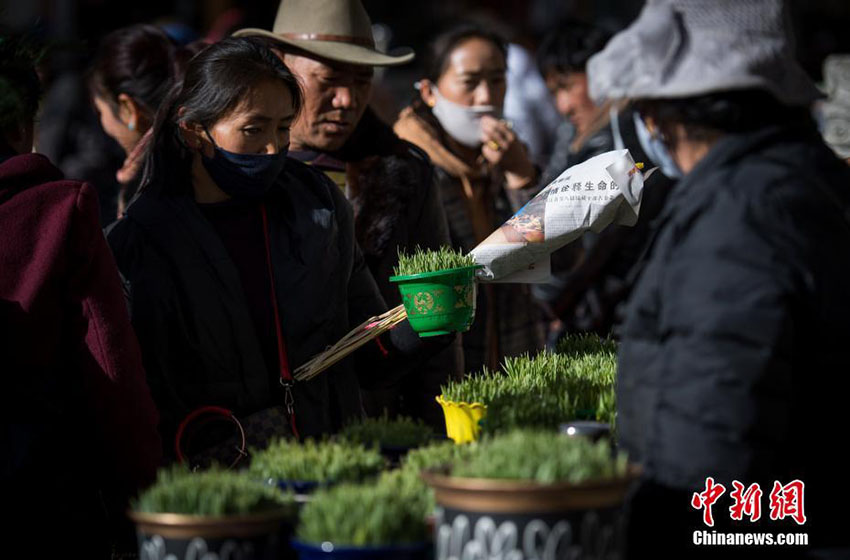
(589,196)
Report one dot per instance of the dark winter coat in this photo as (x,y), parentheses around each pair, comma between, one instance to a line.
(390,183)
(189,308)
(734,359)
(78,418)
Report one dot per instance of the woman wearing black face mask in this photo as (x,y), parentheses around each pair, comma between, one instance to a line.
(242,263)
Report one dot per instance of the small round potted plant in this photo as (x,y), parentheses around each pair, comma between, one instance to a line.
(438,290)
(302,467)
(382,521)
(394,437)
(212,513)
(531,494)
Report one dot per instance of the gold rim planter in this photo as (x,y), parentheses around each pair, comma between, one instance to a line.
(517,496)
(526,520)
(252,536)
(180,526)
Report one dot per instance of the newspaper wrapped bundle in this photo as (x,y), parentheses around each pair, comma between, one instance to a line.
(603,190)
(368,330)
(590,196)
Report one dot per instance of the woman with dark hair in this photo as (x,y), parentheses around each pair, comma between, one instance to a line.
(242,263)
(483,171)
(134,69)
(79,426)
(733,356)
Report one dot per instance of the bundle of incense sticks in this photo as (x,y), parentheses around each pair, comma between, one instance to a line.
(369,330)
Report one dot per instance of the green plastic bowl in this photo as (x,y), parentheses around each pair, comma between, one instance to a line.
(440,302)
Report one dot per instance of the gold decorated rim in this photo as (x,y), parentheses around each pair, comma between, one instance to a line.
(486,495)
(182,526)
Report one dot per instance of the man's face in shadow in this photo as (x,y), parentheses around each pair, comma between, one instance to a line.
(335,96)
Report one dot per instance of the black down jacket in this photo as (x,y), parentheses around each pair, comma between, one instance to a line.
(189,309)
(735,355)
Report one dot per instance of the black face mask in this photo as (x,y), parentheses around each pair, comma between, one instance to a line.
(244,175)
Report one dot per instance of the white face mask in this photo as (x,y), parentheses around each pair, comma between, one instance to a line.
(656,150)
(461,122)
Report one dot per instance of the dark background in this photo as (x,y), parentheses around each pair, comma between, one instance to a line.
(68,131)
(822,26)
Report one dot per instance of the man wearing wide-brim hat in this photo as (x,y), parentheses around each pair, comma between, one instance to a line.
(734,358)
(328,45)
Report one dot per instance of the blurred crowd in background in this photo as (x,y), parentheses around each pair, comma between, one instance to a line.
(68,131)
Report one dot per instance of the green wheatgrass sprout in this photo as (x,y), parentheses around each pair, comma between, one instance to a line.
(541,456)
(398,432)
(210,493)
(542,409)
(409,483)
(520,374)
(440,454)
(547,389)
(312,461)
(434,456)
(421,261)
(387,513)
(550,389)
(582,344)
(478,387)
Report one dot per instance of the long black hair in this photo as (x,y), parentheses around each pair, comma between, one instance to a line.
(216,80)
(140,61)
(440,49)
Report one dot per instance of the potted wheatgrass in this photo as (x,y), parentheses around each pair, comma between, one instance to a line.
(394,437)
(302,467)
(385,520)
(210,514)
(392,519)
(439,455)
(543,391)
(438,290)
(529,494)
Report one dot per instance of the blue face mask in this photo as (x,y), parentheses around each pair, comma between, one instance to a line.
(656,150)
(244,175)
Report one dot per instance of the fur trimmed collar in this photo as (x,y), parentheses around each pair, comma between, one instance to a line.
(382,189)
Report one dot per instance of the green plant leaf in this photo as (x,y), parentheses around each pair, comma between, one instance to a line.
(541,456)
(390,512)
(398,432)
(421,261)
(312,461)
(213,493)
(545,390)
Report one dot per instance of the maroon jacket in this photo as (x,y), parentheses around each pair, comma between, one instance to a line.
(74,400)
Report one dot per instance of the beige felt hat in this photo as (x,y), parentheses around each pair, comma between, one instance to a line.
(337,30)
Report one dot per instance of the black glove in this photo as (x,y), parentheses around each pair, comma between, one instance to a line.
(406,342)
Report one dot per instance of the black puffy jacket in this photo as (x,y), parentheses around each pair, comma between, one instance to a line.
(189,309)
(735,359)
